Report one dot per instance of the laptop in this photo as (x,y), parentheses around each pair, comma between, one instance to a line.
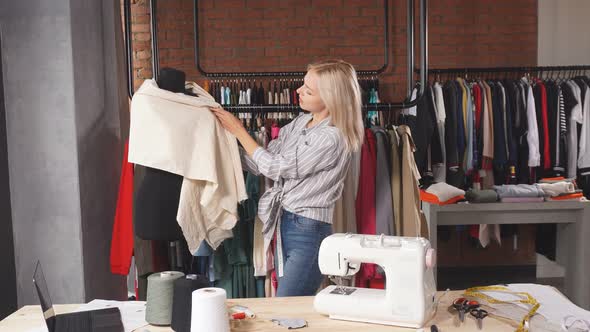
(103,320)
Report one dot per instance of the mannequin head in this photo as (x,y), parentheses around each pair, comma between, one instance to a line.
(171,79)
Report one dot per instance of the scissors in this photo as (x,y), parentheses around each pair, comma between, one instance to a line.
(462,305)
(479,314)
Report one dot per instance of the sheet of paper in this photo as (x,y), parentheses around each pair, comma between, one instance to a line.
(38,329)
(554,305)
(132,312)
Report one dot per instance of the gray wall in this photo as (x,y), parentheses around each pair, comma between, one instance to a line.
(563,32)
(99,147)
(8,275)
(61,86)
(563,40)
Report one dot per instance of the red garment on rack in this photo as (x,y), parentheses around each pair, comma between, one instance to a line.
(274,131)
(294,97)
(122,239)
(365,201)
(478,110)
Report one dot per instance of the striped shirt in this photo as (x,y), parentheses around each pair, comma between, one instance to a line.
(308,166)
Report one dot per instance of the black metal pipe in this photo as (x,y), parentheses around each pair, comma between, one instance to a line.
(390,106)
(128,46)
(505,69)
(423,47)
(287,73)
(410,45)
(295,108)
(154,36)
(386,41)
(423,58)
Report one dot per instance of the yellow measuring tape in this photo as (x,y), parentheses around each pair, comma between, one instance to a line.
(525,298)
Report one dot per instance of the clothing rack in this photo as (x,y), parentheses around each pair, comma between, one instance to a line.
(524,69)
(410,26)
(296,108)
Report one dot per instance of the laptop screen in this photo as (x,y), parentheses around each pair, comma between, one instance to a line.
(43,292)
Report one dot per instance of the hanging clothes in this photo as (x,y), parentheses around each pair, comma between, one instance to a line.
(545,146)
(500,156)
(344,210)
(478,101)
(552,123)
(413,220)
(511,142)
(468,118)
(365,201)
(384,208)
(488,128)
(584,146)
(575,118)
(122,238)
(521,133)
(461,122)
(533,129)
(396,180)
(440,171)
(427,138)
(238,279)
(452,108)
(561,135)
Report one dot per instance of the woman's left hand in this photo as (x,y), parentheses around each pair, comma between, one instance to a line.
(228,121)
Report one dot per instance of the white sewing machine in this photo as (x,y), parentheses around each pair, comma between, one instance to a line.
(409,297)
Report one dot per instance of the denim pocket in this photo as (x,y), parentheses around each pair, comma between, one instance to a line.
(306,224)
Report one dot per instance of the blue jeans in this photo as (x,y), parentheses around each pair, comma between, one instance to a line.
(301,238)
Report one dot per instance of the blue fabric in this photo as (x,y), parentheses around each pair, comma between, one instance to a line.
(301,238)
(202,265)
(260,291)
(203,250)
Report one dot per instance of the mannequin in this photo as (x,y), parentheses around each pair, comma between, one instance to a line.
(156,200)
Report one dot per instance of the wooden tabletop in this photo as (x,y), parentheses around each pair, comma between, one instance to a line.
(30,317)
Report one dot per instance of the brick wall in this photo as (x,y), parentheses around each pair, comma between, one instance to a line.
(265,35)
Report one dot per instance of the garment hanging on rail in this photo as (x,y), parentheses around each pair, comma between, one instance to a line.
(498,130)
(282,91)
(523,130)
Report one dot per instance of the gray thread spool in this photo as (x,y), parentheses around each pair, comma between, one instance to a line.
(159,297)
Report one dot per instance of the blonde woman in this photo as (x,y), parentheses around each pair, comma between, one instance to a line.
(308,162)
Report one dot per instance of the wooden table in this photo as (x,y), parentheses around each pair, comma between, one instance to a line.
(573,232)
(30,317)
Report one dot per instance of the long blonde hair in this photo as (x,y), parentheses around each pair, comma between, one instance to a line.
(340,91)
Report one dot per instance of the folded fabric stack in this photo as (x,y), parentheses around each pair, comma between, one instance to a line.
(481,196)
(442,194)
(557,188)
(557,179)
(522,199)
(578,195)
(561,189)
(552,189)
(520,193)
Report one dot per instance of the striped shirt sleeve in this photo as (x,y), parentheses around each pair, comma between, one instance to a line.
(274,146)
(247,163)
(304,159)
